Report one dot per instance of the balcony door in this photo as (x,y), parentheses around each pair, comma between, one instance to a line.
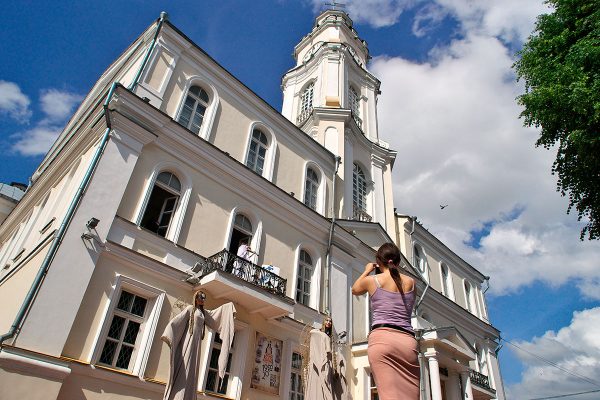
(242,230)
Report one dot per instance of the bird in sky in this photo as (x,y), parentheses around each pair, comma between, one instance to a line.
(443,206)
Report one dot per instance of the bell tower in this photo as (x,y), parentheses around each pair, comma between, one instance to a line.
(332,97)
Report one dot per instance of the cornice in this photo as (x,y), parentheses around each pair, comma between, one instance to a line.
(246,96)
(446,254)
(81,142)
(459,316)
(144,263)
(205,158)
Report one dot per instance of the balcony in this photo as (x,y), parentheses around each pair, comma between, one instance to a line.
(303,116)
(359,214)
(225,275)
(245,270)
(481,385)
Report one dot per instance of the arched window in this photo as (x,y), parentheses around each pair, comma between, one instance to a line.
(354,100)
(359,189)
(194,108)
(481,359)
(419,260)
(257,151)
(242,232)
(469,297)
(303,283)
(243,223)
(445,281)
(306,99)
(311,188)
(162,203)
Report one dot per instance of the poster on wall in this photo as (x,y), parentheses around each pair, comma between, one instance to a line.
(267,364)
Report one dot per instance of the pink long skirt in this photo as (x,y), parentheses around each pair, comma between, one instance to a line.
(394,364)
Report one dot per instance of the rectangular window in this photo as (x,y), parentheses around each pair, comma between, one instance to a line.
(296,389)
(212,379)
(123,333)
(125,336)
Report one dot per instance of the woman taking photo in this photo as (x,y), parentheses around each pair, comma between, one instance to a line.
(392,349)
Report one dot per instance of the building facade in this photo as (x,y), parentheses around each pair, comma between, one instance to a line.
(9,198)
(167,166)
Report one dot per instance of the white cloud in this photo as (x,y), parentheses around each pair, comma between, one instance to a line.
(454,122)
(428,18)
(14,102)
(510,20)
(58,105)
(575,352)
(35,141)
(377,13)
(590,288)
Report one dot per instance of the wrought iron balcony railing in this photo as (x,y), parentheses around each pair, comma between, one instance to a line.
(303,116)
(480,380)
(360,214)
(245,270)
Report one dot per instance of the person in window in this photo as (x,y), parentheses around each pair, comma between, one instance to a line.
(184,334)
(392,348)
(244,252)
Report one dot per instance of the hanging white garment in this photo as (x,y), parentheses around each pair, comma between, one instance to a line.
(184,335)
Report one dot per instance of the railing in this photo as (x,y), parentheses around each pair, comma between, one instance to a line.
(359,214)
(480,380)
(245,270)
(303,116)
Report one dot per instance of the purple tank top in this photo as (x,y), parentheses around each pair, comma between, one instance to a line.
(392,307)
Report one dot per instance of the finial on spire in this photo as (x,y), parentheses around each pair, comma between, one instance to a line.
(335,5)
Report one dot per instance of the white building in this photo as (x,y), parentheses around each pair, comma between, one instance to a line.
(168,163)
(9,197)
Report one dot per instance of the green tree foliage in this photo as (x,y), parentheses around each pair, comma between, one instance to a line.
(560,65)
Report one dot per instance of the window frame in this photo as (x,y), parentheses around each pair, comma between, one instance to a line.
(469,290)
(303,266)
(447,284)
(269,160)
(418,249)
(174,194)
(320,186)
(256,225)
(296,395)
(154,300)
(355,189)
(259,149)
(315,287)
(237,370)
(211,109)
(198,101)
(307,97)
(176,221)
(354,99)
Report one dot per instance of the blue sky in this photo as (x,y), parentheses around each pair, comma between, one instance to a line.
(447,106)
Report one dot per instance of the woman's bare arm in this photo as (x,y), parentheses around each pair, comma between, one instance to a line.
(364,284)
